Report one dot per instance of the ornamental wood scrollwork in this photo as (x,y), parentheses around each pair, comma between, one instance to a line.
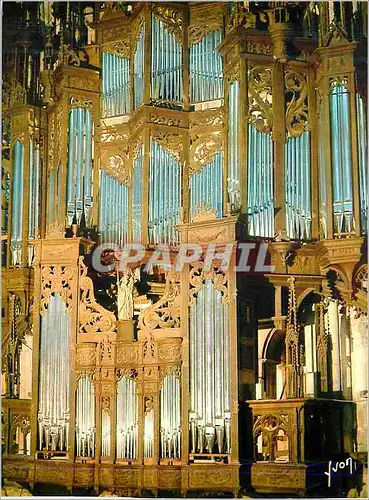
(241,16)
(260,98)
(174,370)
(166,312)
(86,355)
(130,373)
(171,18)
(169,353)
(203,151)
(117,166)
(93,318)
(120,48)
(361,278)
(297,118)
(89,373)
(173,143)
(56,279)
(322,346)
(197,277)
(110,134)
(76,102)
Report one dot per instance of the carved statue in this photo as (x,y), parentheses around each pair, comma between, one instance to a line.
(125,296)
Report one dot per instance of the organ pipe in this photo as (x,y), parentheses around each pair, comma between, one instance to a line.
(113,220)
(164,195)
(85,418)
(34,189)
(127,418)
(233,180)
(79,176)
(115,71)
(138,66)
(206,68)
(137,197)
(53,409)
(105,433)
(210,421)
(166,64)
(170,418)
(363,160)
(339,105)
(206,187)
(17,203)
(260,184)
(322,186)
(298,199)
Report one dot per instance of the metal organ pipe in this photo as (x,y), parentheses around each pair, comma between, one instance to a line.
(209,373)
(260,184)
(53,410)
(341,159)
(164,195)
(138,66)
(233,180)
(206,68)
(17,203)
(298,179)
(206,187)
(362,135)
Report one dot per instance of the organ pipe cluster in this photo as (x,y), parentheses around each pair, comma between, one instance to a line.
(53,409)
(164,195)
(85,418)
(17,203)
(170,417)
(260,184)
(79,178)
(138,68)
(298,187)
(127,418)
(206,187)
(166,63)
(210,416)
(113,222)
(206,68)
(115,87)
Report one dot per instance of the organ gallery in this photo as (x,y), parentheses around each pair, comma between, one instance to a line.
(237,129)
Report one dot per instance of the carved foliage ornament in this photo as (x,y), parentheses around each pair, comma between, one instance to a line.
(116,165)
(173,143)
(203,151)
(260,98)
(166,312)
(93,318)
(120,48)
(56,279)
(171,18)
(80,103)
(297,118)
(197,277)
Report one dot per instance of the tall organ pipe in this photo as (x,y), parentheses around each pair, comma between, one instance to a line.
(138,66)
(260,184)
(206,68)
(206,187)
(339,101)
(137,197)
(53,409)
(209,372)
(17,203)
(233,180)
(362,135)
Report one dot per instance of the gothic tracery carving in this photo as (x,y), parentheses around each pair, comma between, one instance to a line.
(260,98)
(198,275)
(297,118)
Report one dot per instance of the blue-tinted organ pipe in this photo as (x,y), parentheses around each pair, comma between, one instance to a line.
(17,203)
(115,98)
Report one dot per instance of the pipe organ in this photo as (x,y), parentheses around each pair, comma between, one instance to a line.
(173,124)
(54,405)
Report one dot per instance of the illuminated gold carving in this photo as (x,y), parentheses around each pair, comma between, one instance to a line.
(203,151)
(297,119)
(172,19)
(166,312)
(56,279)
(260,98)
(197,277)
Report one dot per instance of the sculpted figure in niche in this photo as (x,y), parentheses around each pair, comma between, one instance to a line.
(125,296)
